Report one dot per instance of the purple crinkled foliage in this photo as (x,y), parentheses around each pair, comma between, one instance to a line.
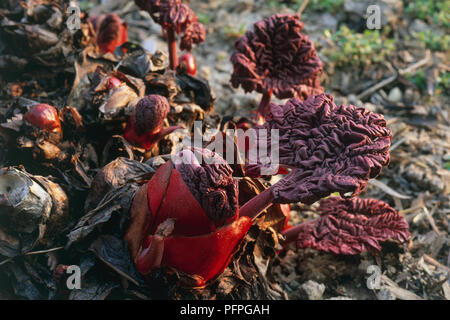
(329,148)
(177,16)
(194,34)
(210,180)
(157,7)
(277,56)
(351,226)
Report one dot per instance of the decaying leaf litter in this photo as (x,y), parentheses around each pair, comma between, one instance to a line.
(416,182)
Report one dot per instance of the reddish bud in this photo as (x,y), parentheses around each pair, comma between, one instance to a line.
(187,62)
(112,32)
(144,127)
(45,117)
(113,82)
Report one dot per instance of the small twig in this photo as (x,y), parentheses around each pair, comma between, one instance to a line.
(128,8)
(31,253)
(43,251)
(409,210)
(399,142)
(399,292)
(431,220)
(391,121)
(378,86)
(416,65)
(384,187)
(118,65)
(6,261)
(444,67)
(435,263)
(392,78)
(302,7)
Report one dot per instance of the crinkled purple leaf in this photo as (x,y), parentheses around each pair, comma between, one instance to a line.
(352,226)
(155,7)
(179,17)
(169,13)
(210,180)
(194,34)
(277,56)
(330,148)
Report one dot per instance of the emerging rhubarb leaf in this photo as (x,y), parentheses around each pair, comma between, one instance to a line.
(45,117)
(210,180)
(144,127)
(168,13)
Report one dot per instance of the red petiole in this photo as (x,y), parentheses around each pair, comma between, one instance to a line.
(291,234)
(264,104)
(172,46)
(258,204)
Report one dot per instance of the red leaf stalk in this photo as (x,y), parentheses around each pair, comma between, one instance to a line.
(264,104)
(172,46)
(291,234)
(258,204)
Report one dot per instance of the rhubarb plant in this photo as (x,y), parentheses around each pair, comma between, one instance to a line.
(187,219)
(328,148)
(190,215)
